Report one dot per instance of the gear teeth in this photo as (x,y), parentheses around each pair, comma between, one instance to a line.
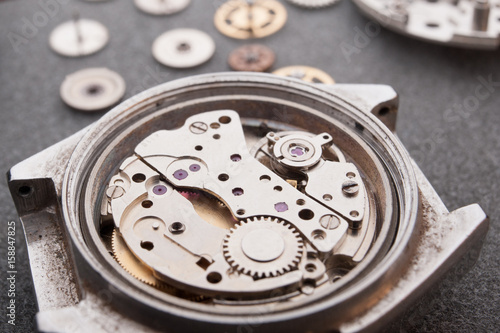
(130,264)
(232,252)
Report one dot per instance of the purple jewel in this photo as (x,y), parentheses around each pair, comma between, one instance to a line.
(194,167)
(297,151)
(180,174)
(160,189)
(281,207)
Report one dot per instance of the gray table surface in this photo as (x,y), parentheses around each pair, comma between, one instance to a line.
(457,150)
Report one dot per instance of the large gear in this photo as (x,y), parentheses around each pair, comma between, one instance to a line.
(263,247)
(138,270)
(131,264)
(313,3)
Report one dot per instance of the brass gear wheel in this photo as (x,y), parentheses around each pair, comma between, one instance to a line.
(263,247)
(134,267)
(131,264)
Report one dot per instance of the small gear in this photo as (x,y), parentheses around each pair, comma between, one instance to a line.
(313,4)
(263,247)
(251,58)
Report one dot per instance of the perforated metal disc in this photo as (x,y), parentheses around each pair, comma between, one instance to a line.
(243,19)
(183,48)
(251,58)
(161,7)
(92,89)
(78,38)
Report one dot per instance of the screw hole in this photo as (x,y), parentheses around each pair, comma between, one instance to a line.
(306,214)
(147,204)
(354,213)
(350,175)
(327,197)
(235,157)
(383,111)
(265,178)
(224,120)
(223,177)
(177,228)
(147,245)
(139,177)
(310,268)
(238,191)
(318,234)
(25,191)
(214,277)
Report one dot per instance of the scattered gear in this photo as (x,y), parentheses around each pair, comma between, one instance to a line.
(263,247)
(313,4)
(305,73)
(250,19)
(78,37)
(161,7)
(92,89)
(183,48)
(252,58)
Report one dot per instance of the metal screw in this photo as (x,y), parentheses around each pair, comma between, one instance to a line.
(329,222)
(198,127)
(350,188)
(114,192)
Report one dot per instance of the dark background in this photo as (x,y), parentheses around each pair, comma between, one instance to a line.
(457,150)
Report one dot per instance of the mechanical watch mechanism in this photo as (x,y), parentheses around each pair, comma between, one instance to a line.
(235,202)
(464,23)
(197,214)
